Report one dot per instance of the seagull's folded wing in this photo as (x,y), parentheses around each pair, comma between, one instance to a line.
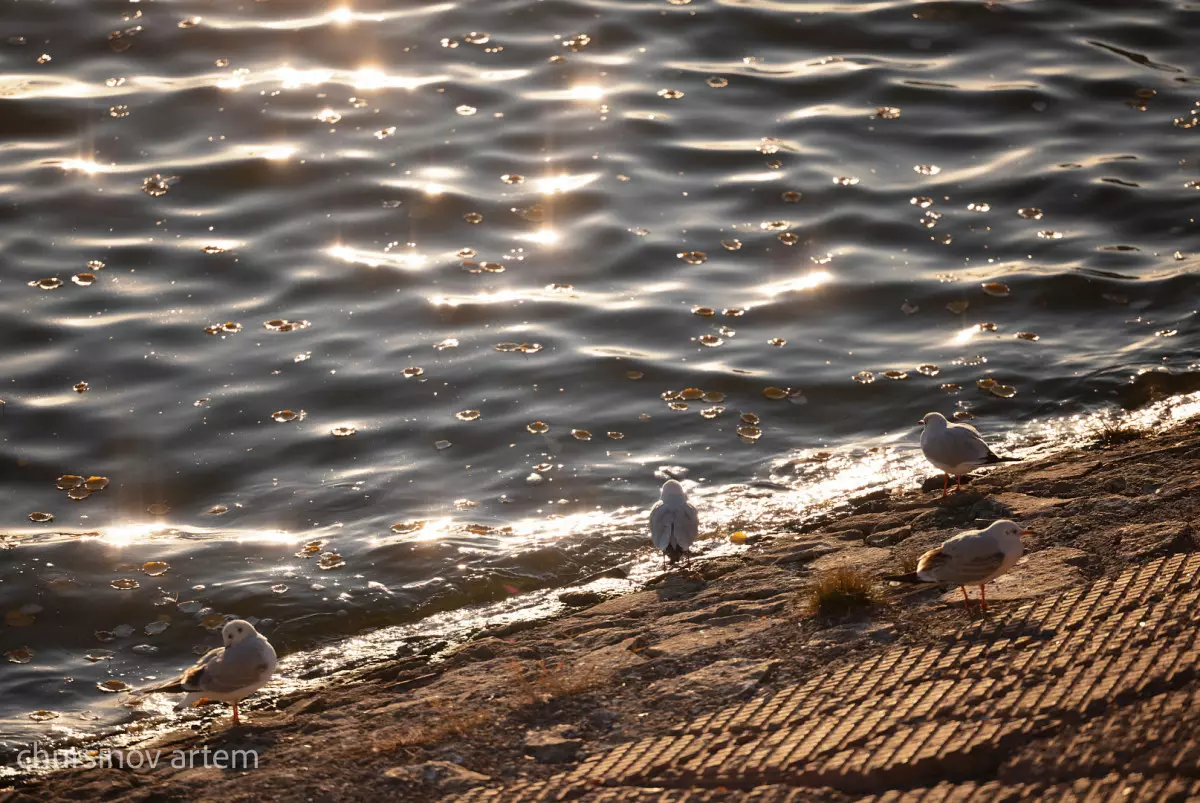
(660,526)
(958,446)
(687,526)
(228,671)
(971,557)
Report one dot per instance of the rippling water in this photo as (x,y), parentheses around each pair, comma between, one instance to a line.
(246,227)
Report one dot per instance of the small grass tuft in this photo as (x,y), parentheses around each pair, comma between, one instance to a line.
(440,722)
(1112,431)
(841,591)
(543,681)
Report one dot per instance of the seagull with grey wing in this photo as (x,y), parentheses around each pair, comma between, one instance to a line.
(674,523)
(955,448)
(974,557)
(230,673)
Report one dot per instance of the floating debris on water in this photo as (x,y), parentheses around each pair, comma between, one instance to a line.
(284,325)
(20,655)
(330,561)
(155,186)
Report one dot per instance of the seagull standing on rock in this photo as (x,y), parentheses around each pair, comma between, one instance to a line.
(674,523)
(230,673)
(974,557)
(955,448)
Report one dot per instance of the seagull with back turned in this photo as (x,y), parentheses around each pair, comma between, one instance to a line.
(230,673)
(674,523)
(974,557)
(955,448)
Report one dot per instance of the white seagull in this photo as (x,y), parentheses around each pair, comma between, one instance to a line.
(955,448)
(973,557)
(228,674)
(674,523)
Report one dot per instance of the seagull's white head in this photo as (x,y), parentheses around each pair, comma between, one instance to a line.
(934,421)
(672,493)
(1007,529)
(237,630)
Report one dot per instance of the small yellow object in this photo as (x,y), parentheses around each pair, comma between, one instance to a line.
(738,538)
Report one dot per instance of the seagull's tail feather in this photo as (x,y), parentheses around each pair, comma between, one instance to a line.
(172,686)
(673,552)
(911,577)
(995,458)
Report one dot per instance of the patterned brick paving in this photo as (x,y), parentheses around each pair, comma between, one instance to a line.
(1091,695)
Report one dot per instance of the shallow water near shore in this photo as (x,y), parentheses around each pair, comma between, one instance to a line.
(375,312)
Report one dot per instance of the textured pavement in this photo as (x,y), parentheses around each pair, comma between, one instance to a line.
(1089,695)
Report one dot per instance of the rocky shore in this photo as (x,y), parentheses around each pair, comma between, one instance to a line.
(723,683)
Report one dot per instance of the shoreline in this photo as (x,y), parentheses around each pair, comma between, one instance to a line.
(525,705)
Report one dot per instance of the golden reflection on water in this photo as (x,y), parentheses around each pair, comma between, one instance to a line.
(808,281)
(551,185)
(541,237)
(964,336)
(377,259)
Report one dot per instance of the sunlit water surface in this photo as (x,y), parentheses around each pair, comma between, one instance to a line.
(396,314)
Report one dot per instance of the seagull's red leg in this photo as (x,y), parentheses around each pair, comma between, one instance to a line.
(966,599)
(945,484)
(982,598)
(235,714)
(960,482)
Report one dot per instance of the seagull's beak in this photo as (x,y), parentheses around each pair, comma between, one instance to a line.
(921,422)
(1026,532)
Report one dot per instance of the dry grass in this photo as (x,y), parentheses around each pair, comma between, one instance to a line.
(841,591)
(542,681)
(1112,431)
(442,720)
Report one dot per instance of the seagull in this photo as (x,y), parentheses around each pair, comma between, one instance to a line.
(973,557)
(674,523)
(955,448)
(230,673)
